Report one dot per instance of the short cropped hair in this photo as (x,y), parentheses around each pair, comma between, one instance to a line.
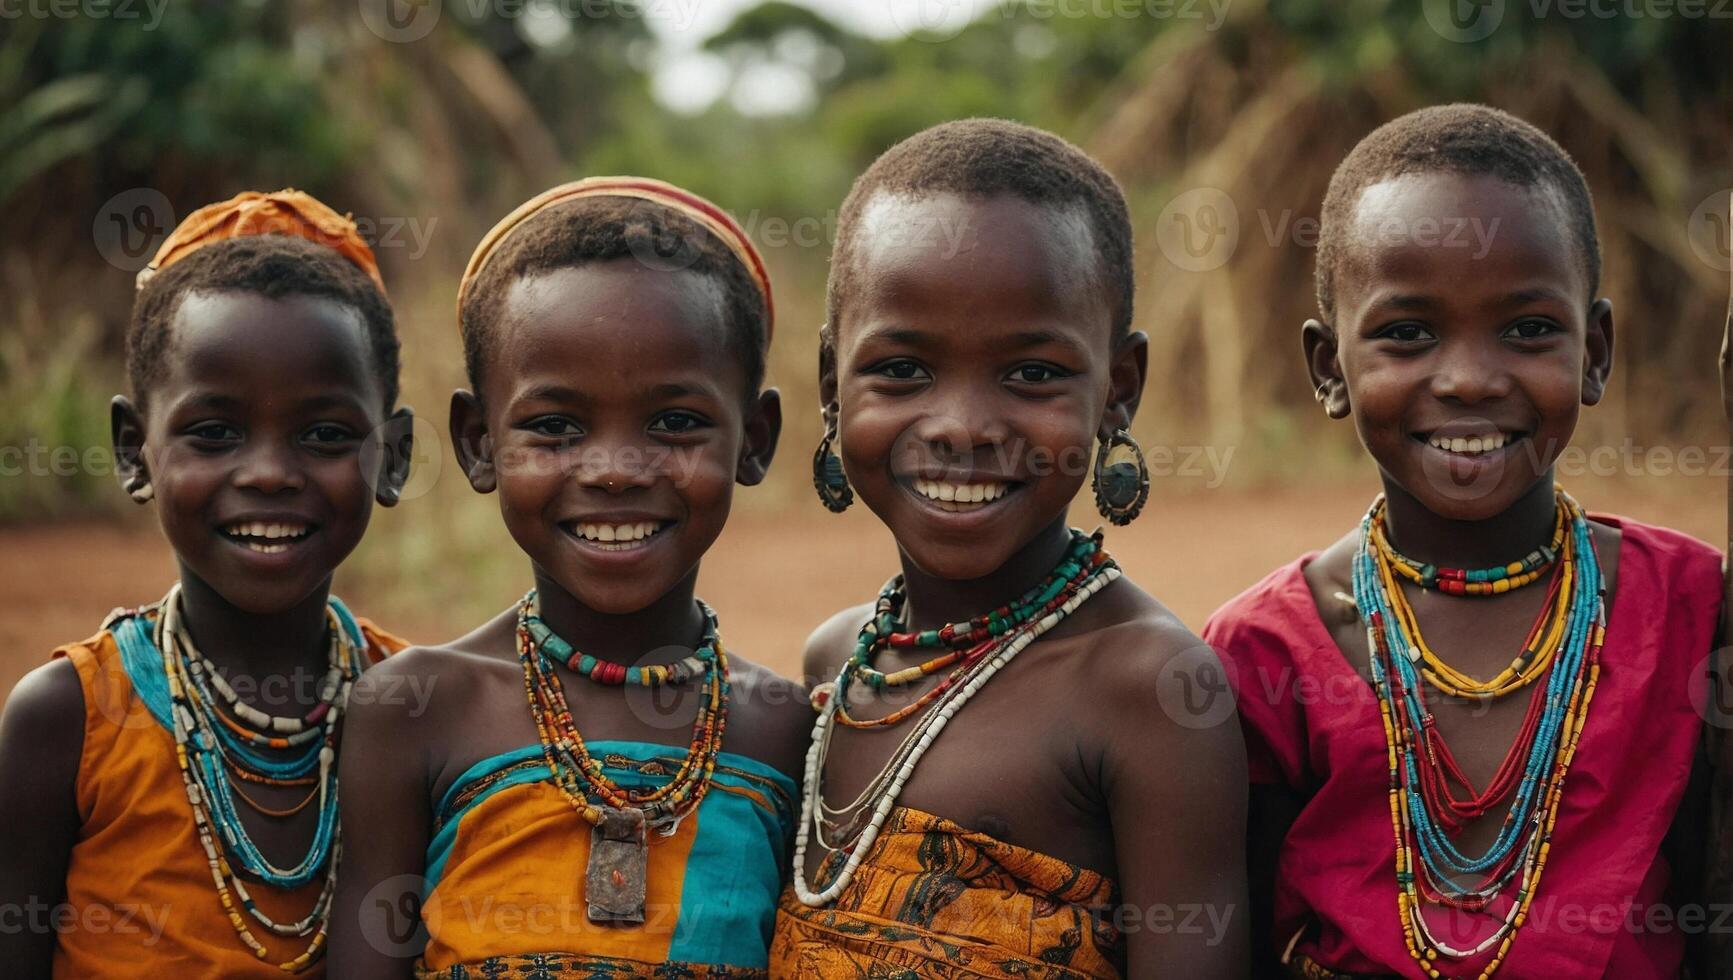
(273,266)
(1466,139)
(987,157)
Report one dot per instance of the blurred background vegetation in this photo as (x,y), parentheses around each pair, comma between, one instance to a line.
(428,142)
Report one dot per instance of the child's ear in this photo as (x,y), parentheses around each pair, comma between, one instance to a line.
(398,440)
(763,428)
(1329,386)
(126,427)
(1598,351)
(1125,383)
(826,367)
(469,440)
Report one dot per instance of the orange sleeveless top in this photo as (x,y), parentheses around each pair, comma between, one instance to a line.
(939,902)
(142,899)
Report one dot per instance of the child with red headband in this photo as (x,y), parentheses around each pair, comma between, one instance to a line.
(174,775)
(566,808)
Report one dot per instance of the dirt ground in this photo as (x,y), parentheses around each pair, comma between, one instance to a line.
(773,578)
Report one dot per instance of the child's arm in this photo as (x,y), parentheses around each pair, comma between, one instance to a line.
(41,737)
(1176,791)
(376,929)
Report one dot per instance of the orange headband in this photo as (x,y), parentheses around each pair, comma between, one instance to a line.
(714,219)
(284,212)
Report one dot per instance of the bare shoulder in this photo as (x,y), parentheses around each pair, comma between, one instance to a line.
(41,742)
(1146,675)
(45,709)
(769,717)
(425,688)
(833,642)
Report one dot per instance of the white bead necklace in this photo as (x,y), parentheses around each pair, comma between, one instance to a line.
(908,754)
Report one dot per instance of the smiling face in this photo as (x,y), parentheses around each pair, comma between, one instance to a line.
(1467,337)
(972,373)
(616,411)
(253,440)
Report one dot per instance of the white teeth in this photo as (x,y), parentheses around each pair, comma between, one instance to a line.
(1471,444)
(620,535)
(267,549)
(961,495)
(267,531)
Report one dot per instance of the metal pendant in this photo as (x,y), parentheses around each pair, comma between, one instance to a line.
(619,867)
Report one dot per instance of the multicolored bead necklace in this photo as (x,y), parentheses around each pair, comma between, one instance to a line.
(1475,581)
(578,774)
(1564,647)
(187,695)
(967,643)
(1085,570)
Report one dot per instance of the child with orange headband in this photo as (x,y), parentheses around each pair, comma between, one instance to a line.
(566,807)
(174,775)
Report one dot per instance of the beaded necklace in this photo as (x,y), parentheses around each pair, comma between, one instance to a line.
(1085,570)
(1430,870)
(1477,581)
(187,695)
(615,879)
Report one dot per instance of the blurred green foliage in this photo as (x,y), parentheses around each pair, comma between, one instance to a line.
(502,99)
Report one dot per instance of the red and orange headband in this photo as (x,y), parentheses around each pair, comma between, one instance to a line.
(284,212)
(712,218)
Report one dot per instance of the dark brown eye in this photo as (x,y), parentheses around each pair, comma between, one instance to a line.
(1406,332)
(903,370)
(1532,329)
(1035,373)
(553,426)
(677,423)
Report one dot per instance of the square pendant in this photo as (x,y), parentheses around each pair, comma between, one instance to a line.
(614,881)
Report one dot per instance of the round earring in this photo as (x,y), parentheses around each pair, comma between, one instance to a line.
(141,491)
(827,475)
(1121,480)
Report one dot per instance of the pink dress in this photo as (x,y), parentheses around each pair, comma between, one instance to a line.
(1311,724)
